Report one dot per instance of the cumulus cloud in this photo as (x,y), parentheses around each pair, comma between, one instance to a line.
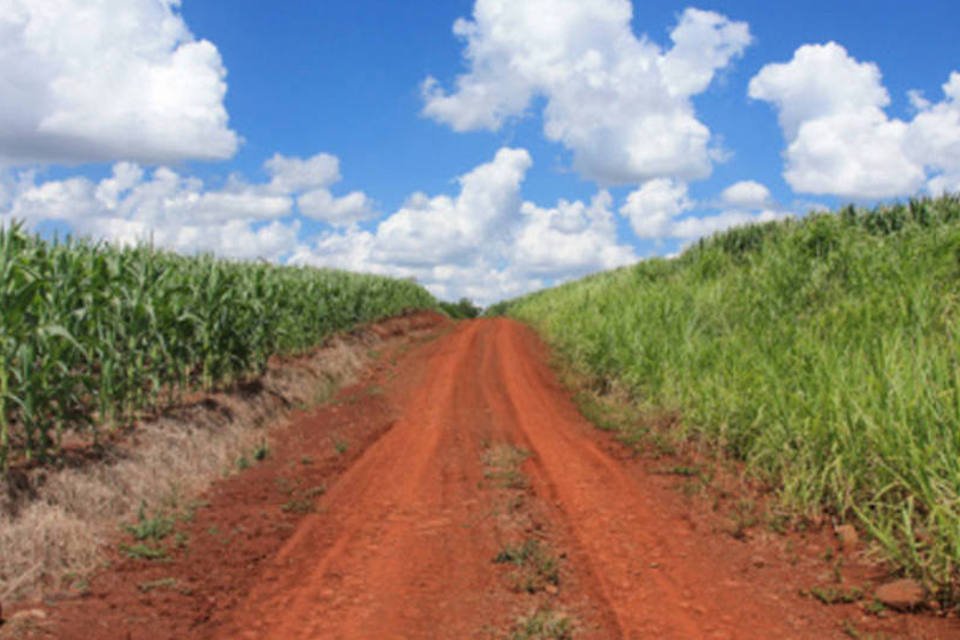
(485,243)
(840,140)
(934,138)
(165,208)
(747,194)
(571,239)
(694,227)
(443,229)
(311,179)
(108,80)
(621,103)
(238,220)
(652,208)
(655,210)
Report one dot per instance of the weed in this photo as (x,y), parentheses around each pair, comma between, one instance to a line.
(744,517)
(156,527)
(543,624)
(152,585)
(261,452)
(141,551)
(340,446)
(679,470)
(835,595)
(503,466)
(536,566)
(299,505)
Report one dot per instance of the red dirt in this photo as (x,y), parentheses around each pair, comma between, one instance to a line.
(401,545)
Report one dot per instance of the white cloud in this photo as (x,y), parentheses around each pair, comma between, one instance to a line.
(746,194)
(840,141)
(108,80)
(292,175)
(695,227)
(320,204)
(239,219)
(619,102)
(655,210)
(933,138)
(443,229)
(652,208)
(485,243)
(170,210)
(571,239)
(310,179)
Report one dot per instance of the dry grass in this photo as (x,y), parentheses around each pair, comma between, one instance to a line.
(54,523)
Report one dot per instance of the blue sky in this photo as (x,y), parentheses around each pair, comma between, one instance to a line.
(590,139)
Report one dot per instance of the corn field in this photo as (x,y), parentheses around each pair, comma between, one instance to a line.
(91,334)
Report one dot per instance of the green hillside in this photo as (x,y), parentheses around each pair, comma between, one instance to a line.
(822,351)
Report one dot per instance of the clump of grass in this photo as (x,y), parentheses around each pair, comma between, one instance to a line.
(836,595)
(823,351)
(503,466)
(543,624)
(148,532)
(305,502)
(155,527)
(152,585)
(143,551)
(536,566)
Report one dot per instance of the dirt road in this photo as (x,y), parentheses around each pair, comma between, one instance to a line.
(418,537)
(403,546)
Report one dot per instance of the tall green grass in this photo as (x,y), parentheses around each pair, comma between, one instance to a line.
(825,352)
(90,333)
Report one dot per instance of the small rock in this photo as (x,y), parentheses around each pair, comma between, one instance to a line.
(901,594)
(848,537)
(758,562)
(551,589)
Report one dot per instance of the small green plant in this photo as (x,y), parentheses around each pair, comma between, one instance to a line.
(503,466)
(744,517)
(543,624)
(536,566)
(261,452)
(142,551)
(152,585)
(835,595)
(305,502)
(155,527)
(299,505)
(679,470)
(874,607)
(340,446)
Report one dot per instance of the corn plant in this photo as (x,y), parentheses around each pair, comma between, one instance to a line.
(91,334)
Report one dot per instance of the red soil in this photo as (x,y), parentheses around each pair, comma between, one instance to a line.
(401,544)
